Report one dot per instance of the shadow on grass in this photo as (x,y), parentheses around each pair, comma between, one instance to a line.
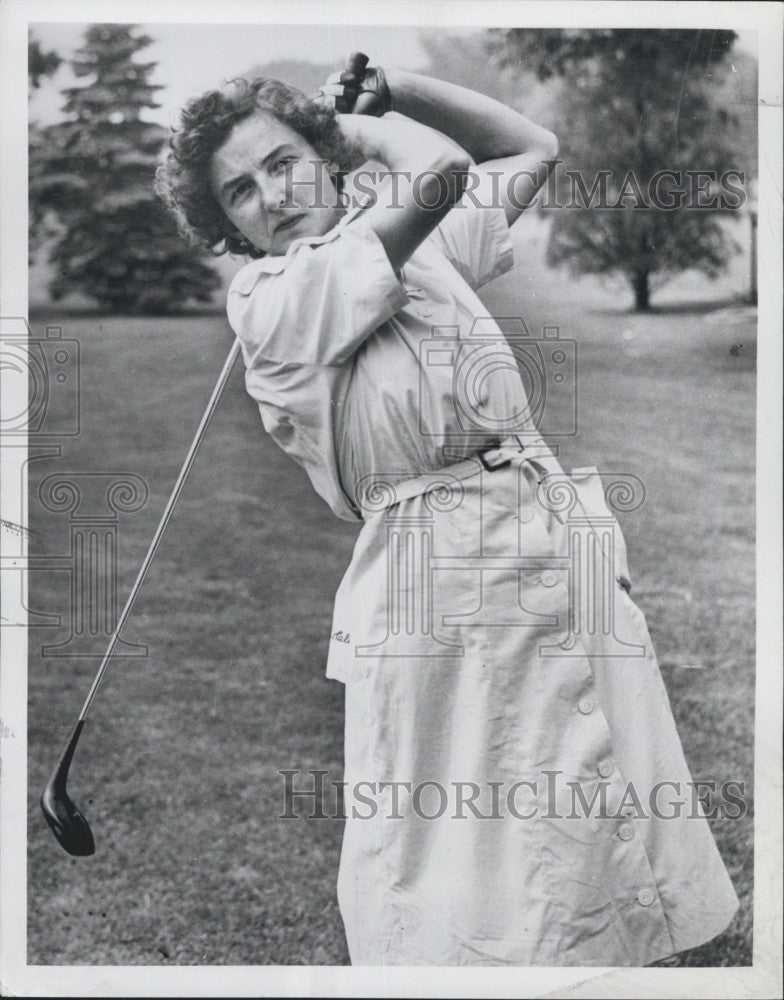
(51,312)
(694,307)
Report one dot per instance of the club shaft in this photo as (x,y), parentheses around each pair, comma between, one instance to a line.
(156,538)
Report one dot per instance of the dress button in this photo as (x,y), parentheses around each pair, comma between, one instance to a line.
(626,832)
(605,768)
(549,579)
(645,897)
(426,312)
(586,706)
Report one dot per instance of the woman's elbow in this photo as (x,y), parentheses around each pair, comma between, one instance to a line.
(447,174)
(459,161)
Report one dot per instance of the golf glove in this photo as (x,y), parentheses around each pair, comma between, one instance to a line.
(369,95)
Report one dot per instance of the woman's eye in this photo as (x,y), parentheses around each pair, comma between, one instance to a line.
(283,163)
(239,191)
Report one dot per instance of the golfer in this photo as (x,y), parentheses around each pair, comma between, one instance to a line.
(516,791)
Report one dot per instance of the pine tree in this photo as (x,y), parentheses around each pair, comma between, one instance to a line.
(40,64)
(95,172)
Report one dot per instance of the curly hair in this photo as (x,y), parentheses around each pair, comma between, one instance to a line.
(182,179)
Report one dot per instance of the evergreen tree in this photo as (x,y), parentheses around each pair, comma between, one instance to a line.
(636,102)
(40,64)
(95,172)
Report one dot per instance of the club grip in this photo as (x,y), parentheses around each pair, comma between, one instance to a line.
(355,67)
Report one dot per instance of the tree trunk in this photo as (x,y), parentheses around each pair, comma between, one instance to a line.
(641,291)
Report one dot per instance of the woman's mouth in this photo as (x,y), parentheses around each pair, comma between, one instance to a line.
(288,223)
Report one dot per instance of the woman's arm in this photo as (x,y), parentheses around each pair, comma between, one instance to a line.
(494,135)
(429,169)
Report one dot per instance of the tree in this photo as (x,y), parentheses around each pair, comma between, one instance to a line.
(95,172)
(39,65)
(635,103)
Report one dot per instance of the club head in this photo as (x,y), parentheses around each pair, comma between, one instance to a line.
(67,824)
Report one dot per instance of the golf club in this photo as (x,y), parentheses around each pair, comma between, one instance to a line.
(68,824)
(66,821)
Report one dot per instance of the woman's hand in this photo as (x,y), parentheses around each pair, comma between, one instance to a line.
(368,96)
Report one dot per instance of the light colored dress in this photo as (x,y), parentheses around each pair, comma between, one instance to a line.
(510,754)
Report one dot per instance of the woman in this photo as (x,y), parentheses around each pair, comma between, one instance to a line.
(505,757)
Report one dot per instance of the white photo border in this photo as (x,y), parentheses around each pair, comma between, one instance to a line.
(763,979)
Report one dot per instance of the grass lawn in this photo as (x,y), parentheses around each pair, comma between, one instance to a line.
(178,768)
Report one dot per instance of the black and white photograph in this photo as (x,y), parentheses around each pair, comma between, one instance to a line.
(390,438)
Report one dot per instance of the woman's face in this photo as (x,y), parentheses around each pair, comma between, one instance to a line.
(272,185)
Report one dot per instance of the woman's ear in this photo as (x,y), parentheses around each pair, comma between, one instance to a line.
(235,234)
(244,245)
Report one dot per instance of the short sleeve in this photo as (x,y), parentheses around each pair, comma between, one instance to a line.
(474,235)
(317,304)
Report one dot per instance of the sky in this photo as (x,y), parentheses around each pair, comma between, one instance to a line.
(196,57)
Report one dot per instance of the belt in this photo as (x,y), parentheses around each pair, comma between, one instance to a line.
(379,491)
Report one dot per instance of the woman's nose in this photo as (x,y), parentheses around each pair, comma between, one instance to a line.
(273,193)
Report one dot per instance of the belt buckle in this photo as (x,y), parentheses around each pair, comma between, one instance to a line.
(498,465)
(497,447)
